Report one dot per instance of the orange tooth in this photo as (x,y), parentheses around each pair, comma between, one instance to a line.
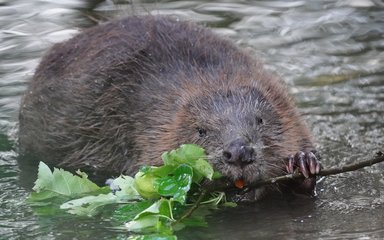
(239,183)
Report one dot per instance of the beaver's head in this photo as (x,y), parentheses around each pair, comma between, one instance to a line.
(239,129)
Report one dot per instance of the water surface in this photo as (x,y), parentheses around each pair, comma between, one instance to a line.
(331,55)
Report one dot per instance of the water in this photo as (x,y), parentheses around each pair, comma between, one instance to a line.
(329,52)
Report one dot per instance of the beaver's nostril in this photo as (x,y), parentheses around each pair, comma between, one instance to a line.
(237,152)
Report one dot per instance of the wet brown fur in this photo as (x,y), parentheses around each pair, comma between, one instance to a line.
(117,95)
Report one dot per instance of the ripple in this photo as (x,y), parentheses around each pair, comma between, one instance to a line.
(331,54)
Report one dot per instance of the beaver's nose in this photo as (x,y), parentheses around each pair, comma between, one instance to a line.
(236,152)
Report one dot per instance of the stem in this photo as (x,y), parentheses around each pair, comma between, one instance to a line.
(224,184)
(188,213)
(352,167)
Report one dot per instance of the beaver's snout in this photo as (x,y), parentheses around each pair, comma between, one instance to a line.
(238,153)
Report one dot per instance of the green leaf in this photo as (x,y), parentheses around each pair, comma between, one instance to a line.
(44,177)
(60,182)
(157,218)
(186,153)
(127,191)
(47,210)
(129,211)
(161,207)
(89,205)
(160,171)
(177,185)
(191,151)
(48,207)
(192,155)
(42,196)
(145,185)
(140,225)
(153,237)
(204,168)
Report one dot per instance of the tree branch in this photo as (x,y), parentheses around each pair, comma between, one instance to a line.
(224,184)
(353,167)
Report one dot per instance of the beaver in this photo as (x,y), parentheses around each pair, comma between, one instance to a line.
(118,95)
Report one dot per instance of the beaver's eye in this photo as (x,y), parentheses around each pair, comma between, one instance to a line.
(259,121)
(202,132)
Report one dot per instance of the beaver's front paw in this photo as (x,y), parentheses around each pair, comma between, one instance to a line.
(308,164)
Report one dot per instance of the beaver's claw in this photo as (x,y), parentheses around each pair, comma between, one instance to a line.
(306,162)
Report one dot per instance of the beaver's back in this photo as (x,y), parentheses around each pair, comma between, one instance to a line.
(105,99)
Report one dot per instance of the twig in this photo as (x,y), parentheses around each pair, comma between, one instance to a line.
(223,184)
(195,205)
(352,167)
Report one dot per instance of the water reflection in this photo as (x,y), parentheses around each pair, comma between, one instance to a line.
(329,52)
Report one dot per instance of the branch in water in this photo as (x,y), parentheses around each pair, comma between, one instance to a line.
(352,167)
(224,184)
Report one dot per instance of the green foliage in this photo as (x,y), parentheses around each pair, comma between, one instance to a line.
(145,185)
(60,183)
(129,211)
(89,205)
(156,218)
(192,155)
(177,184)
(154,203)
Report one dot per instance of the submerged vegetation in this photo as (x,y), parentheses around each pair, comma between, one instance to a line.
(156,202)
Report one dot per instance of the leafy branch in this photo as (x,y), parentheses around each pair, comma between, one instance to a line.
(324,172)
(150,203)
(157,198)
(223,184)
